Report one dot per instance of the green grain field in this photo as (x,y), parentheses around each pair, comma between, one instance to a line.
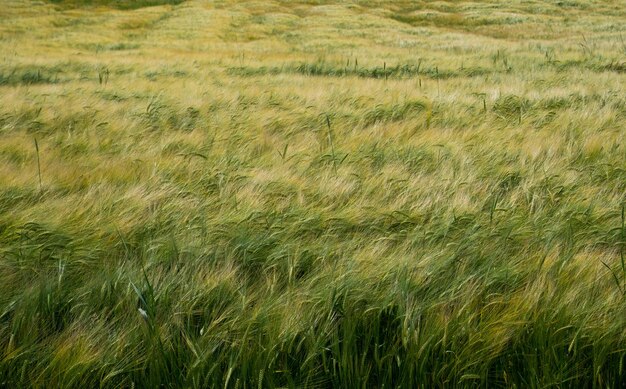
(312,194)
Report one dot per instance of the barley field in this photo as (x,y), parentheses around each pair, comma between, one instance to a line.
(273,193)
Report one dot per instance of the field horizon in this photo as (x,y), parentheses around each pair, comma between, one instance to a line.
(248,194)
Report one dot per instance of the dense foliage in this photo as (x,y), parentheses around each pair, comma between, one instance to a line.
(313,194)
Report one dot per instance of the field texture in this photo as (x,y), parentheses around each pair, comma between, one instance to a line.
(247,194)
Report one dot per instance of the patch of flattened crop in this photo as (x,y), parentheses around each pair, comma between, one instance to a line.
(27,76)
(119,4)
(353,70)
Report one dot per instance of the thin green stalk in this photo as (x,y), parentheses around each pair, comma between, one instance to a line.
(38,165)
(332,144)
(621,285)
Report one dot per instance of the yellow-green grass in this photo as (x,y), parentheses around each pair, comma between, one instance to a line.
(312,194)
